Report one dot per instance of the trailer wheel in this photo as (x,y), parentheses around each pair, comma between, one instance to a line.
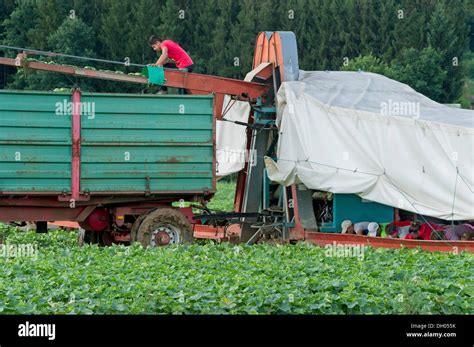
(91,237)
(135,226)
(163,227)
(105,238)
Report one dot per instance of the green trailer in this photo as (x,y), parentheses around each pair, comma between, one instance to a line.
(103,159)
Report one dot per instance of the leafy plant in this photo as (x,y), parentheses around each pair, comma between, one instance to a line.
(228,279)
(224,198)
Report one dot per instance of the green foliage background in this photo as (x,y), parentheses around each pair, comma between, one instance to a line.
(420,42)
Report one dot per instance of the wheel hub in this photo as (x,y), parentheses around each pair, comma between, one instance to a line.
(163,236)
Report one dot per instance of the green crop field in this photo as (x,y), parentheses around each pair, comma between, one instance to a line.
(224,198)
(63,278)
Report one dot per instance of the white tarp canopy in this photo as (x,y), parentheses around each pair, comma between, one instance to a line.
(363,133)
(231,139)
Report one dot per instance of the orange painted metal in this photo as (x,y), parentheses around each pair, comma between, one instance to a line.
(239,189)
(214,84)
(11,214)
(218,105)
(261,45)
(22,63)
(208,232)
(76,145)
(266,73)
(269,50)
(65,224)
(297,232)
(323,239)
(200,231)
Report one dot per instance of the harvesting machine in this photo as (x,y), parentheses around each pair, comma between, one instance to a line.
(119,169)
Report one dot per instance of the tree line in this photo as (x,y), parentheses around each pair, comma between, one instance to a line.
(425,43)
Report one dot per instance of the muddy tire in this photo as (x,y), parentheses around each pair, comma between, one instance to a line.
(135,226)
(165,226)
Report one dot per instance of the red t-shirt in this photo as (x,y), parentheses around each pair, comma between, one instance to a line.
(425,231)
(427,228)
(175,52)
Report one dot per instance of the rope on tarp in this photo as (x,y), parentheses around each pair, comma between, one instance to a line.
(465,182)
(227,108)
(454,196)
(437,233)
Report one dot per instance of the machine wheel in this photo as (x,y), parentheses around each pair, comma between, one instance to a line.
(135,226)
(91,237)
(105,238)
(163,227)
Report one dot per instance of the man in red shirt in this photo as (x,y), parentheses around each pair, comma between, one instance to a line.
(424,231)
(170,50)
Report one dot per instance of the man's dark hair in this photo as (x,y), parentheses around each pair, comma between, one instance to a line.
(154,39)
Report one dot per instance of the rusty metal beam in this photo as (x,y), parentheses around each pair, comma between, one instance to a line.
(178,79)
(21,63)
(323,239)
(76,145)
(215,84)
(11,214)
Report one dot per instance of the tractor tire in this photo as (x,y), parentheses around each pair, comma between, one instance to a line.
(164,226)
(135,226)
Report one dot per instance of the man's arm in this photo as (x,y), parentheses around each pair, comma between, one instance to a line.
(163,57)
